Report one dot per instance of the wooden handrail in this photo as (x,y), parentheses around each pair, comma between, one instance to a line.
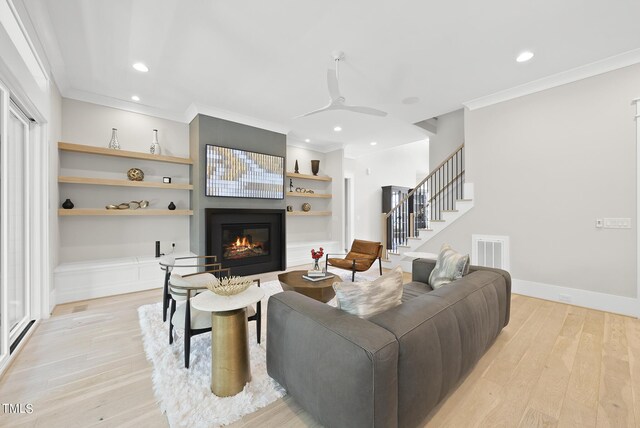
(431,174)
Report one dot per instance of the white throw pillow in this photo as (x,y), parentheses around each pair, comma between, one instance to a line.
(367,298)
(449,267)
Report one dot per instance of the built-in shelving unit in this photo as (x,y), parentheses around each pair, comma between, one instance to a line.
(79,148)
(123,183)
(308,176)
(308,213)
(96,181)
(106,212)
(309,195)
(325,196)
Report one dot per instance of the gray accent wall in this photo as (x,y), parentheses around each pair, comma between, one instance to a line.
(205,130)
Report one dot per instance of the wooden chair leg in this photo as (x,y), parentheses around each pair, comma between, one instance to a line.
(353,276)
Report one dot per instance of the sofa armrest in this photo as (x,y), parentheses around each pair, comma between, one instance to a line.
(421,269)
(341,369)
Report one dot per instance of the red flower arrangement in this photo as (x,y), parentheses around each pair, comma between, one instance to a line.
(317,254)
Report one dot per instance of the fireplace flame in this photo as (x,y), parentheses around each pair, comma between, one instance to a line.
(242,243)
(242,247)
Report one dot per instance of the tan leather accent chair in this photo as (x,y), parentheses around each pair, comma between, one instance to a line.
(360,257)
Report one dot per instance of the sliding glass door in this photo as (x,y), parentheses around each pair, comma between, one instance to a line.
(16,203)
(16,219)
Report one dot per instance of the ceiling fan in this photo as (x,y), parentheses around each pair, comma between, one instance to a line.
(338,101)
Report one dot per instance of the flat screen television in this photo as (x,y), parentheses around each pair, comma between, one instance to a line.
(238,173)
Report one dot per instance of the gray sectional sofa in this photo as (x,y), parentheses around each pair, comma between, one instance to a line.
(392,369)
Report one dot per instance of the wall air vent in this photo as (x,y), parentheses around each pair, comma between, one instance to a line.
(490,251)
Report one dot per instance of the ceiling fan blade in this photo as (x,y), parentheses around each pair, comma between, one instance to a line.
(320,110)
(365,110)
(332,83)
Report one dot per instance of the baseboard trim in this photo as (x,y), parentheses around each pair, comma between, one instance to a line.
(76,295)
(588,299)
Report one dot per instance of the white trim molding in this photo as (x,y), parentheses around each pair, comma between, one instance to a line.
(574,296)
(608,64)
(637,104)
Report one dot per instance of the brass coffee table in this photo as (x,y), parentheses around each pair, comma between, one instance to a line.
(318,290)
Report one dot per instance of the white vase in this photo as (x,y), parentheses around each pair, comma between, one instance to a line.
(155,146)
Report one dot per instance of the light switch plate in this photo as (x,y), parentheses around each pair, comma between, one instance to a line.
(617,223)
(599,223)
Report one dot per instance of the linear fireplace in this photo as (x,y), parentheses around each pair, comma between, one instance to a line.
(248,241)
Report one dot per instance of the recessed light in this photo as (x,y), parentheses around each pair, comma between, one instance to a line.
(306,140)
(524,56)
(135,98)
(373,143)
(141,67)
(337,128)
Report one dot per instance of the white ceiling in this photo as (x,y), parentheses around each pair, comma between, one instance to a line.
(268,59)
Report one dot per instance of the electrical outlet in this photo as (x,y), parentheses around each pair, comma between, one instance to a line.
(565,298)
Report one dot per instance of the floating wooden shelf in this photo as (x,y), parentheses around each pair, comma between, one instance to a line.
(308,177)
(309,213)
(123,183)
(79,148)
(309,195)
(106,212)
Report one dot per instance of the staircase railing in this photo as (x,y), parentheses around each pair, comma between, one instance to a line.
(425,203)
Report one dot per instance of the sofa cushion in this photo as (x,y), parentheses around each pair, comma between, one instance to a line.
(367,298)
(414,289)
(449,267)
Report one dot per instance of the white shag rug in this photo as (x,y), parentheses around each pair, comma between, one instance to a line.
(184,394)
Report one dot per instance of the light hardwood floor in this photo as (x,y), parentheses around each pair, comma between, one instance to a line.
(553,365)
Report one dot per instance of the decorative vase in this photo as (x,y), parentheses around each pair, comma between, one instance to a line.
(155,146)
(67,205)
(316,265)
(172,206)
(295,168)
(306,207)
(114,144)
(135,174)
(315,166)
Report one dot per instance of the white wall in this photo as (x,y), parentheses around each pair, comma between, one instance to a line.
(449,136)
(397,166)
(90,238)
(55,133)
(544,167)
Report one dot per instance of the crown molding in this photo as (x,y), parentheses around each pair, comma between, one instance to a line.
(325,148)
(599,67)
(90,97)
